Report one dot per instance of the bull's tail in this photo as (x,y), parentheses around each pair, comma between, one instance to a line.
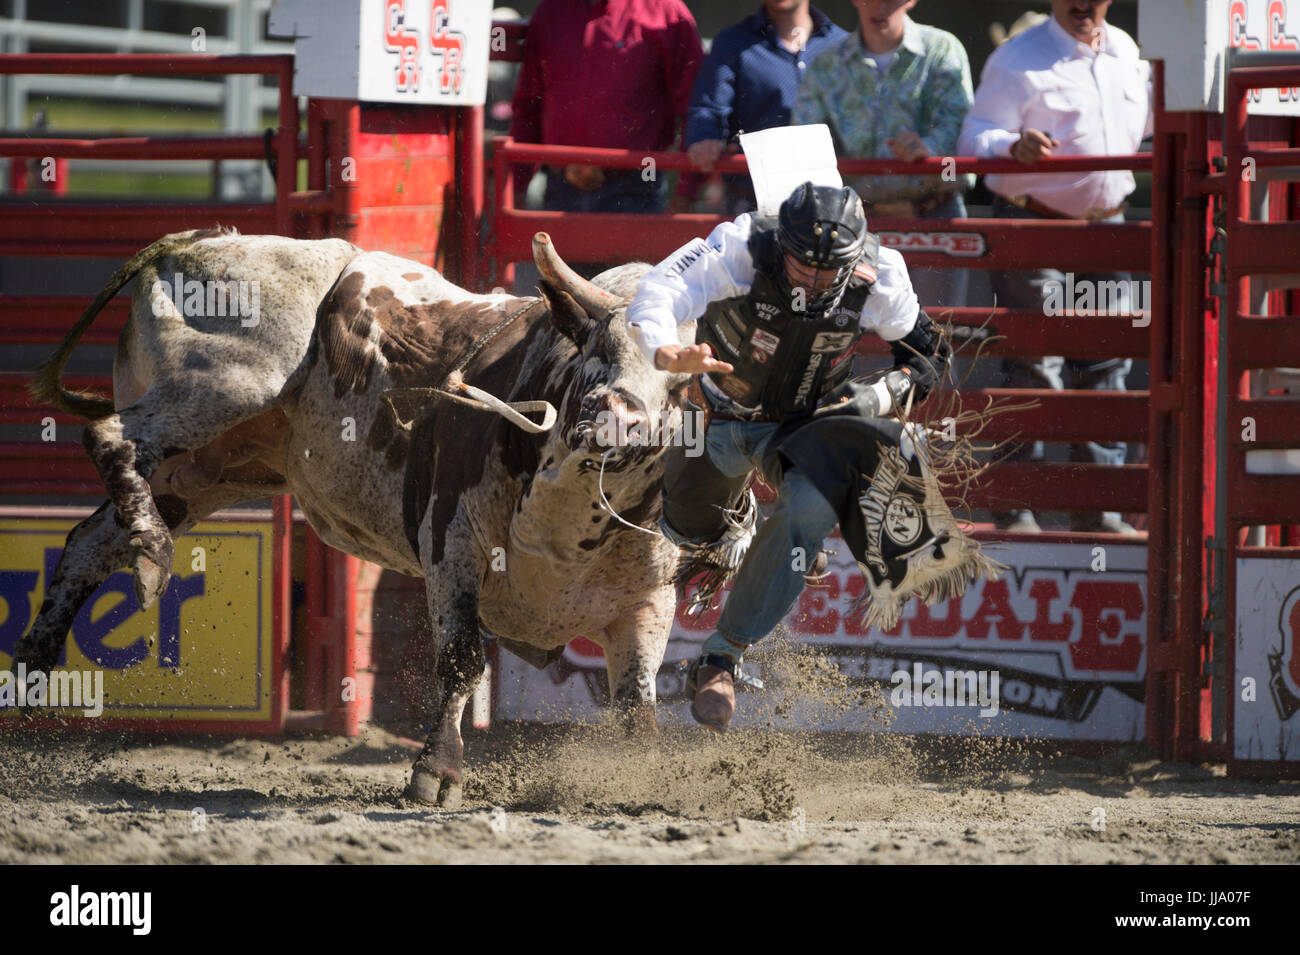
(47,381)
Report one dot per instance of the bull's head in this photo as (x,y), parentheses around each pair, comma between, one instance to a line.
(617,409)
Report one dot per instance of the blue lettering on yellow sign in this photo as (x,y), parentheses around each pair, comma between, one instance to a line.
(17,588)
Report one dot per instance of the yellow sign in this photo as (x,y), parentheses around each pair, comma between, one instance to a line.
(202,652)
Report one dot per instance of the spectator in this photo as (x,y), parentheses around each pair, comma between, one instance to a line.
(748,82)
(1071,86)
(895,88)
(502,78)
(612,73)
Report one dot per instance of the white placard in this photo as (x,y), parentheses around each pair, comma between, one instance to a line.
(388,51)
(784,157)
(1193,36)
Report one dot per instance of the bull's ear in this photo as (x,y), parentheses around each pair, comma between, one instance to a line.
(570,318)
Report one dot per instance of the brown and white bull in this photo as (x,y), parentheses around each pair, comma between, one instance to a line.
(505,526)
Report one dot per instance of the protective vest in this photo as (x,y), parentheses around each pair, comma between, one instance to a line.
(784,360)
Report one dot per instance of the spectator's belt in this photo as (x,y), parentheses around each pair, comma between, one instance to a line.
(1030,204)
(911,208)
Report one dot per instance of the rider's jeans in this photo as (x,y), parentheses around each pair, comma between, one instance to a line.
(771,576)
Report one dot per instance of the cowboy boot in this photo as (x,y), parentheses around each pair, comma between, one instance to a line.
(711,686)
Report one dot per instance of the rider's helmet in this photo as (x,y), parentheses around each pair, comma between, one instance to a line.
(822,228)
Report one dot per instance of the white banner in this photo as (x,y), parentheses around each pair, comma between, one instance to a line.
(1267,680)
(1066,641)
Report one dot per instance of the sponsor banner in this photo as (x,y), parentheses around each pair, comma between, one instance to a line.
(424,51)
(1066,641)
(1266,712)
(202,652)
(961,245)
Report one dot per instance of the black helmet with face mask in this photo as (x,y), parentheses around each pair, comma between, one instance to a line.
(825,228)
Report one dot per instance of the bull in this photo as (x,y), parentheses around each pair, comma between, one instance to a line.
(514,531)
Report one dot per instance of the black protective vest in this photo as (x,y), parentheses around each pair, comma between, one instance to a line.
(785,360)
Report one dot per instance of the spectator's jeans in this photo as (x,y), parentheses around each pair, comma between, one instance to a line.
(623,191)
(1029,290)
(771,576)
(938,289)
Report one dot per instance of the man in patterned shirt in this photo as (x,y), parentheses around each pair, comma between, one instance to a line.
(895,88)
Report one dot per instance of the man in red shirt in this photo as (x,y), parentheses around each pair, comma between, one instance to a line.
(613,73)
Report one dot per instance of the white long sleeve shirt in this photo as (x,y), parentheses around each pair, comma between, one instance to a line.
(1095,102)
(681,287)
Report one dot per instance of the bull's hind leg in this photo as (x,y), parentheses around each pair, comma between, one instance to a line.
(452,584)
(95,548)
(128,447)
(124,466)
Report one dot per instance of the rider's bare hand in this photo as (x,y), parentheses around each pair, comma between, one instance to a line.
(689,360)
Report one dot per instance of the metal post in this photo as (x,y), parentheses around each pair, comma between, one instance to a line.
(469,148)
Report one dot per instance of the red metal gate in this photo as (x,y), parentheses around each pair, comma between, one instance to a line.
(47,225)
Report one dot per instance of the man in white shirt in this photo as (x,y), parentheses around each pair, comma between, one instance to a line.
(1072,86)
(781,302)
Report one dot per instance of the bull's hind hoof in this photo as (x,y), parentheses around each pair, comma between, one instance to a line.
(152,563)
(434,789)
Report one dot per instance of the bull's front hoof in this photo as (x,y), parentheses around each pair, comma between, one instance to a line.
(639,723)
(435,789)
(152,563)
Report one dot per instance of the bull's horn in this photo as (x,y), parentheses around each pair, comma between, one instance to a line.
(591,297)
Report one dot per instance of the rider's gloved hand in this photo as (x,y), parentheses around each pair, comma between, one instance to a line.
(927,371)
(924,353)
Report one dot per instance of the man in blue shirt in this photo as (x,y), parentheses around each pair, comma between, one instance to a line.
(748,82)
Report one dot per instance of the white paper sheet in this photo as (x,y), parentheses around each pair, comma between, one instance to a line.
(784,157)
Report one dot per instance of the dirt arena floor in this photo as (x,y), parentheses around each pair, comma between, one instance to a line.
(552,794)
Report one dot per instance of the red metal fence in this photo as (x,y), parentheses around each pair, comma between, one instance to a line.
(1186,671)
(1252,427)
(48,225)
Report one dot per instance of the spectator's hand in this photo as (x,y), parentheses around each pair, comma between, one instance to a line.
(907,147)
(690,360)
(584,178)
(704,154)
(1032,146)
